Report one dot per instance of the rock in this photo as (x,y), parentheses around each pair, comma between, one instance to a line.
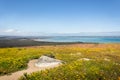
(47,61)
(76,54)
(85,59)
(106,59)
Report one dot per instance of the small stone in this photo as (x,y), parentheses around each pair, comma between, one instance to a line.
(85,59)
(106,59)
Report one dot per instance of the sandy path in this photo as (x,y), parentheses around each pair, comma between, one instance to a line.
(31,68)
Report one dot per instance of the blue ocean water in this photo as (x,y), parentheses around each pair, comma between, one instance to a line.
(92,39)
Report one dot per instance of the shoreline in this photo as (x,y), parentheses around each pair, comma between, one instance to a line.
(8,43)
(24,43)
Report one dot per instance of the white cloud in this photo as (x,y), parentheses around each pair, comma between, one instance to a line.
(11,31)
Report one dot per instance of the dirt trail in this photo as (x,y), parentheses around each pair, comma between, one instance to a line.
(31,68)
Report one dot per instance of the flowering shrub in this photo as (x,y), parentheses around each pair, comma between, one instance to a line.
(79,70)
(81,63)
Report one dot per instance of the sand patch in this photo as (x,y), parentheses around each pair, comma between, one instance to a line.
(31,68)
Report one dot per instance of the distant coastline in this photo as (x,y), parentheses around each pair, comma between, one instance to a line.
(85,39)
(28,42)
(17,41)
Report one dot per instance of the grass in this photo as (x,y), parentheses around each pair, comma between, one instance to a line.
(103,63)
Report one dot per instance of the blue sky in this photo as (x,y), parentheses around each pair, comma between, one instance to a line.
(34,17)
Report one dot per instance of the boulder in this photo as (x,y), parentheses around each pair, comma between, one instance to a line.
(45,61)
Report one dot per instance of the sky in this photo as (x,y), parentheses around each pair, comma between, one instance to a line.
(42,17)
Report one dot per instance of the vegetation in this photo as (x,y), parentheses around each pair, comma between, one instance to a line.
(28,42)
(82,62)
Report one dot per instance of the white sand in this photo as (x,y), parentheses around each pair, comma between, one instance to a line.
(31,68)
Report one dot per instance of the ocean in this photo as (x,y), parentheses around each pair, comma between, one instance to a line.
(88,39)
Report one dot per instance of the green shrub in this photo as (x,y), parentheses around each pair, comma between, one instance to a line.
(49,55)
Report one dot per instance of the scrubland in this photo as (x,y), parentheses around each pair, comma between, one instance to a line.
(80,61)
